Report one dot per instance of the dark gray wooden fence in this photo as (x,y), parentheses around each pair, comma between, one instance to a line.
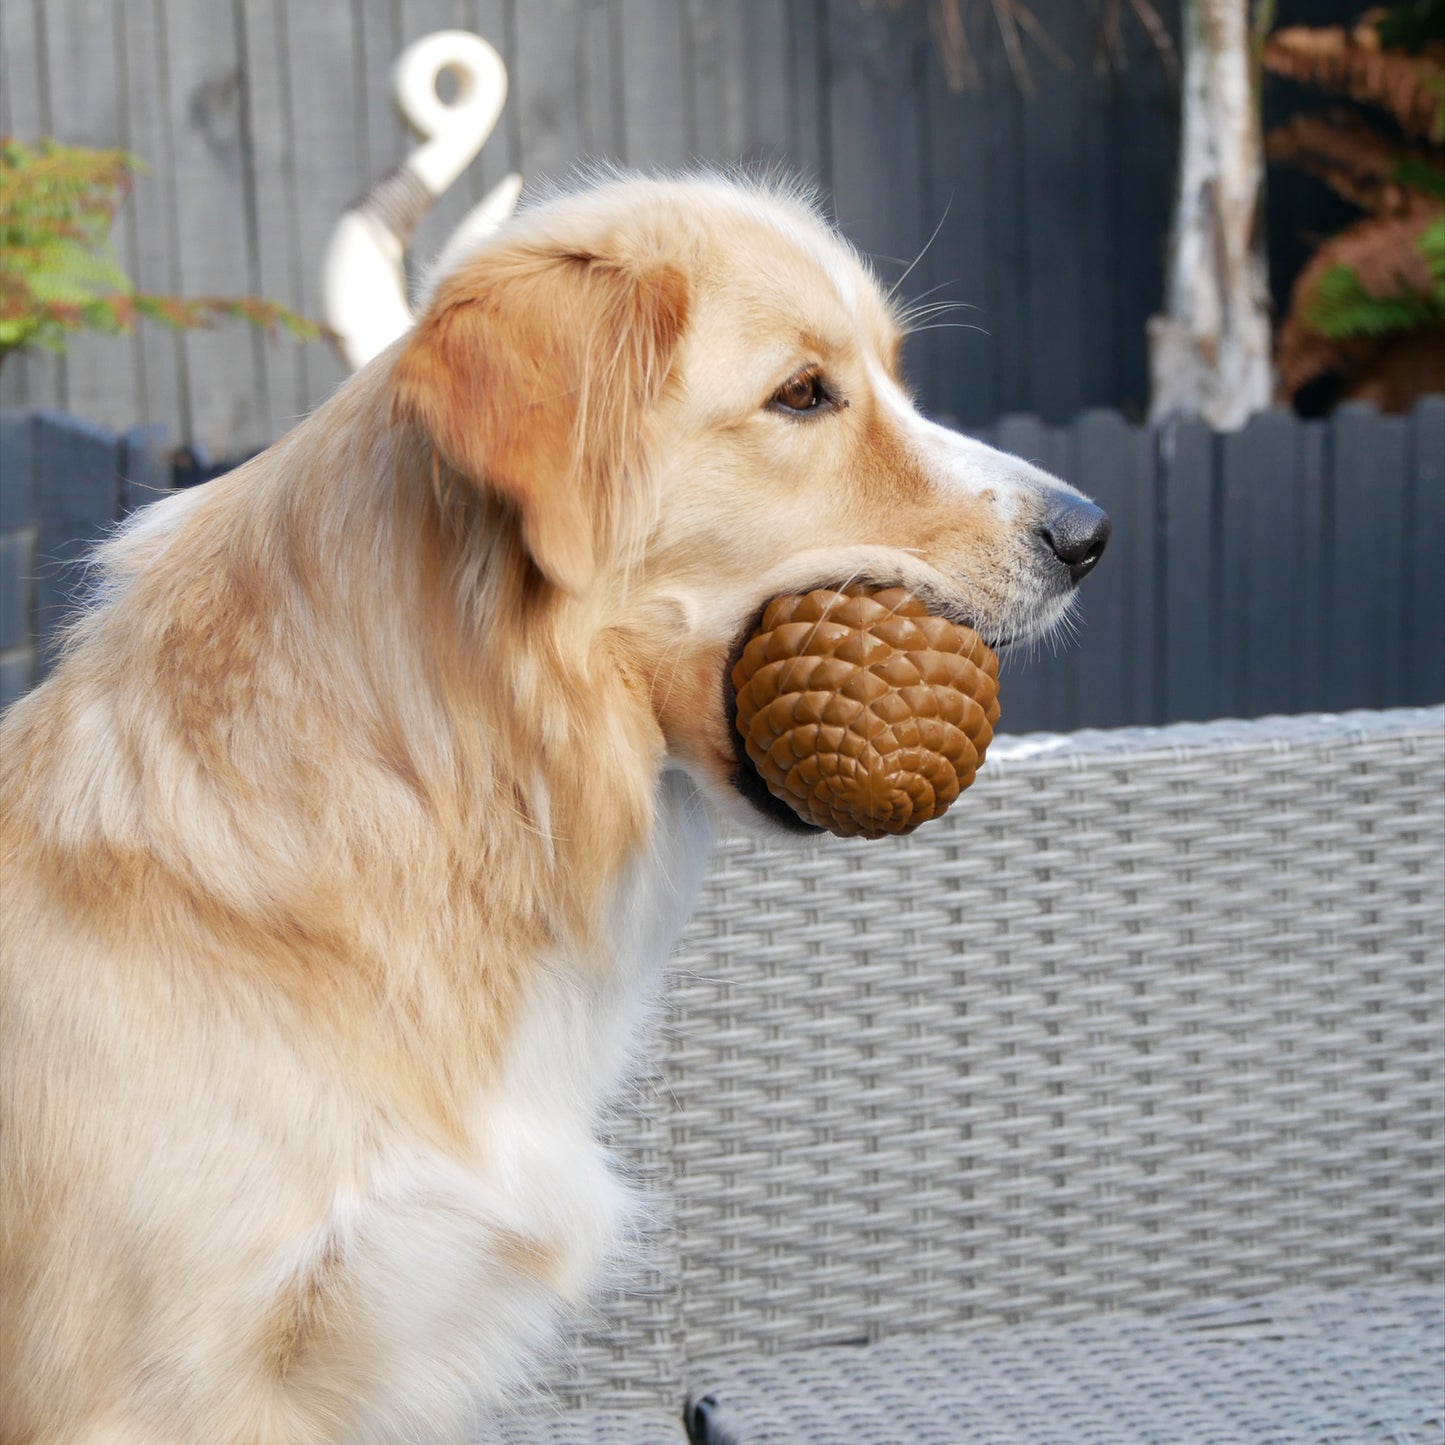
(63,485)
(1292,566)
(263,119)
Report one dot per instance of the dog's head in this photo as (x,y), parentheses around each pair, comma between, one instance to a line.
(688,396)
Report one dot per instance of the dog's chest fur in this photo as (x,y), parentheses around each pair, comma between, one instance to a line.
(462,1266)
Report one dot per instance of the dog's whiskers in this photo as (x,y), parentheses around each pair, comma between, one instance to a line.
(928,309)
(950,326)
(952,281)
(893,290)
(1060,632)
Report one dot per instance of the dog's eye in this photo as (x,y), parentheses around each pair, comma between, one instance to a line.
(802,393)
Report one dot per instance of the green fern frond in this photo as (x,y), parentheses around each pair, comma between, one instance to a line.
(1340,307)
(1432,246)
(1419,176)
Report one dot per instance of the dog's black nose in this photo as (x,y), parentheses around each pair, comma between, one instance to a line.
(1077,533)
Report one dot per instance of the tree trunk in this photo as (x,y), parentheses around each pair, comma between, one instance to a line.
(1209,353)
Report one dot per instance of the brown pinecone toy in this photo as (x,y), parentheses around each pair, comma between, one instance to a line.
(863,712)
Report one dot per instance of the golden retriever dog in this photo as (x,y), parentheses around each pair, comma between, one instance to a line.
(343,849)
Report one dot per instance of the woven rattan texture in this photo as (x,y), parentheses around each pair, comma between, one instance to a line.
(547,1424)
(1350,1366)
(1354,1367)
(1150,1018)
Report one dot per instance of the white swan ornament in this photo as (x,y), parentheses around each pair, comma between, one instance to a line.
(364,292)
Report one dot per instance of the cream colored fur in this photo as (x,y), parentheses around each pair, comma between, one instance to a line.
(342,851)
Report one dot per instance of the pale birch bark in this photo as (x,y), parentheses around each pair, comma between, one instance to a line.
(1209,352)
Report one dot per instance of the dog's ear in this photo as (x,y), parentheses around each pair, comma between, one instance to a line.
(531,374)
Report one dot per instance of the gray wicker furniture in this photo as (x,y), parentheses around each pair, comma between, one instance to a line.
(1108,1109)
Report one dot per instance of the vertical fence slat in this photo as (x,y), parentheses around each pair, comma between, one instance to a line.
(1058,227)
(208,158)
(24,111)
(17,470)
(76,471)
(1145,153)
(713,86)
(1186,537)
(600,77)
(1367,549)
(1234,497)
(757,44)
(278,260)
(1023,692)
(1022,435)
(1425,569)
(1062,668)
(543,90)
(15,385)
(147,218)
(17,554)
(17,558)
(83,76)
(1273,548)
(17,651)
(1028,692)
(1313,491)
(956,267)
(1259,542)
(656,82)
(377,43)
(1008,293)
(874,127)
(809,143)
(325,158)
(1100,338)
(1114,656)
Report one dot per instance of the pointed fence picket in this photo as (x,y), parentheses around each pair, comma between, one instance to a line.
(1291,566)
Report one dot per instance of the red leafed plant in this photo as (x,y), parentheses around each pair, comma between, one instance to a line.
(58,273)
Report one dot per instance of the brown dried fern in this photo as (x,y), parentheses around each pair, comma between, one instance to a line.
(1354,160)
(956,33)
(1385,256)
(1353,63)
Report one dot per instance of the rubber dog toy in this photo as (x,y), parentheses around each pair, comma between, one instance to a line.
(863,712)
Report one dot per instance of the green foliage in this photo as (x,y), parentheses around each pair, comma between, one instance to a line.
(1432,245)
(1412,25)
(56,267)
(1340,307)
(58,272)
(1419,176)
